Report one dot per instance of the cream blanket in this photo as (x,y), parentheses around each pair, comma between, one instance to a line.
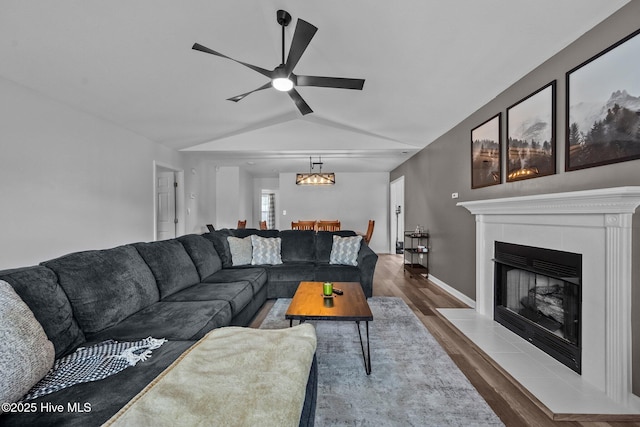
(233,377)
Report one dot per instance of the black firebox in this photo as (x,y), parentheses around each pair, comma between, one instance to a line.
(538,296)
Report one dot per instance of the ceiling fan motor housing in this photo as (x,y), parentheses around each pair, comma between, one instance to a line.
(283,17)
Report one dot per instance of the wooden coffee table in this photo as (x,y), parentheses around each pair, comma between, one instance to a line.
(309,304)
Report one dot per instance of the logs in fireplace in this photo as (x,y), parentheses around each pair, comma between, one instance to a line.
(537,296)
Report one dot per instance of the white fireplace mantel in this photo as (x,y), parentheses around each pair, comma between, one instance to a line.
(594,223)
(602,201)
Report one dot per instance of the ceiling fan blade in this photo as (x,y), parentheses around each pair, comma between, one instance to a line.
(239,97)
(300,103)
(333,82)
(301,38)
(266,73)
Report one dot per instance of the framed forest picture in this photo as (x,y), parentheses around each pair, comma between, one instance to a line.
(531,130)
(486,153)
(603,107)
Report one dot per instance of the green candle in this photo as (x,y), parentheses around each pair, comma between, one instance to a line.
(327,288)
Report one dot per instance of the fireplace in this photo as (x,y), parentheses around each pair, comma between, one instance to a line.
(598,225)
(538,296)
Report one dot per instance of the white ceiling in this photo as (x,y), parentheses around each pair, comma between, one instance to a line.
(428,64)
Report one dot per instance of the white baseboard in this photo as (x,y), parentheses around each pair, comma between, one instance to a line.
(454,292)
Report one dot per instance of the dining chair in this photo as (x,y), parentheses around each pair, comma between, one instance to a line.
(328,225)
(242,224)
(367,237)
(263,225)
(211,228)
(303,225)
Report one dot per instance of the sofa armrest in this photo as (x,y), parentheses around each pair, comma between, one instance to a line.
(367,263)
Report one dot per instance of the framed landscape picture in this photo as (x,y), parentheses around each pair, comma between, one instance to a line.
(531,135)
(603,107)
(486,153)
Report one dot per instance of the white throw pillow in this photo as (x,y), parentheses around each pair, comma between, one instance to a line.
(345,250)
(266,250)
(26,354)
(241,251)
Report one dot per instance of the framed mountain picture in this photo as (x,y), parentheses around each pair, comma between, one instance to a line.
(603,107)
(486,153)
(531,140)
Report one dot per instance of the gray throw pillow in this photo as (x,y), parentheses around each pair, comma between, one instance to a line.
(26,354)
(266,250)
(241,250)
(345,250)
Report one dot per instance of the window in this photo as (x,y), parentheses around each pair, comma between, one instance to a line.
(268,209)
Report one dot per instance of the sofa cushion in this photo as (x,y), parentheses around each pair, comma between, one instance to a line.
(175,320)
(170,264)
(244,232)
(238,294)
(255,275)
(298,245)
(38,287)
(324,243)
(26,354)
(221,245)
(266,250)
(336,273)
(345,250)
(241,250)
(105,286)
(291,272)
(202,253)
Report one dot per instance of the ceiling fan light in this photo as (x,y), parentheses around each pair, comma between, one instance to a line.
(282,84)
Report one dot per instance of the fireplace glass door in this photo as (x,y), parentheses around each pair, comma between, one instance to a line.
(546,301)
(538,297)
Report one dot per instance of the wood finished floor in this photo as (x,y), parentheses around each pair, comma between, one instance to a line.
(512,406)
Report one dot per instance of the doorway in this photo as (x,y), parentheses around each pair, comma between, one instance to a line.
(166,215)
(168,196)
(396,213)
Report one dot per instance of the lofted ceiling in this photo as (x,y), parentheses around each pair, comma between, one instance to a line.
(428,64)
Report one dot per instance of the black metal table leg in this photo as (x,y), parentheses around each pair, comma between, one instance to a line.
(367,358)
(300,322)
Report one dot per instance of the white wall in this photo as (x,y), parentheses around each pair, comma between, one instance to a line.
(245,199)
(200,191)
(354,200)
(70,181)
(227,196)
(234,197)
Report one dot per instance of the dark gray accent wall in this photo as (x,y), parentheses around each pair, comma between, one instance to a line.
(443,167)
(635,303)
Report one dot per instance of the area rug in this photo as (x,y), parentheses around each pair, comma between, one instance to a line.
(413,381)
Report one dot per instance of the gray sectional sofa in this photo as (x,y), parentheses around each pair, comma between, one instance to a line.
(177,289)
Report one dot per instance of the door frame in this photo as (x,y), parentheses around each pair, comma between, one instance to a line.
(180,200)
(396,197)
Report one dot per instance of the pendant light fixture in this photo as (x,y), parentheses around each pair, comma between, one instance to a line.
(313,178)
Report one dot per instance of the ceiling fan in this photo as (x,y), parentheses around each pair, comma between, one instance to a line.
(282,77)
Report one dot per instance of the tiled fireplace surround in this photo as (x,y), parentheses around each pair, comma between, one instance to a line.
(596,224)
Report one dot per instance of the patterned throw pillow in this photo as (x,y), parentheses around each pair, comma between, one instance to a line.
(241,251)
(26,354)
(266,250)
(345,250)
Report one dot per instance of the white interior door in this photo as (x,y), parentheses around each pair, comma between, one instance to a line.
(166,205)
